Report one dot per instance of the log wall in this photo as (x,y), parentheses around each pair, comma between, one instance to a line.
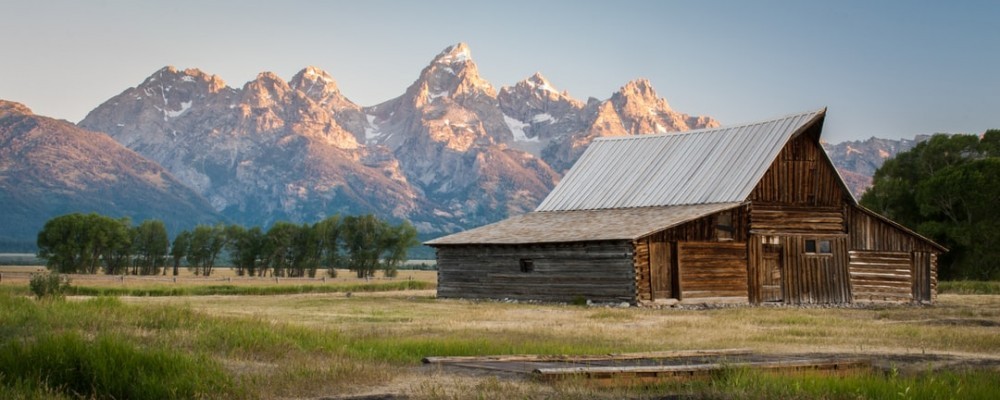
(597,271)
(881,275)
(870,235)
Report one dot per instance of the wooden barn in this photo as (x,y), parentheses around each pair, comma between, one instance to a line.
(754,213)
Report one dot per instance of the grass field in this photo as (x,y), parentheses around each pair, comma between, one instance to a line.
(318,345)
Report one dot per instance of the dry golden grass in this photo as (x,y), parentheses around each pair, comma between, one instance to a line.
(19,275)
(956,328)
(416,324)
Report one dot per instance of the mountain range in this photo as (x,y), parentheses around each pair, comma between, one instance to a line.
(451,152)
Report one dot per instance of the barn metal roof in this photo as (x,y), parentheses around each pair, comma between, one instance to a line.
(720,165)
(582,225)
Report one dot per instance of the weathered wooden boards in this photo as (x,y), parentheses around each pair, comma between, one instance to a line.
(584,358)
(631,368)
(596,271)
(618,375)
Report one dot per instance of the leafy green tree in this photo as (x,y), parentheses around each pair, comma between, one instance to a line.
(946,188)
(179,249)
(328,236)
(78,243)
(396,242)
(206,243)
(245,248)
(279,247)
(114,237)
(306,252)
(63,244)
(149,246)
(364,243)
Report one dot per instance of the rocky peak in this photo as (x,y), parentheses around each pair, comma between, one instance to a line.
(640,90)
(455,54)
(170,76)
(451,75)
(13,108)
(265,91)
(642,111)
(317,85)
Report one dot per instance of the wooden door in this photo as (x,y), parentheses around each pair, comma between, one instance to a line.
(921,276)
(771,271)
(659,269)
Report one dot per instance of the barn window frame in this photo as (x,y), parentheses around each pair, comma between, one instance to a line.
(724,226)
(527,265)
(818,247)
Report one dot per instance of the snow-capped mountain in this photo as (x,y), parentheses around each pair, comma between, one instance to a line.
(451,152)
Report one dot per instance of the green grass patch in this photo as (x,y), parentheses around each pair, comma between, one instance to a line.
(969,287)
(248,290)
(110,367)
(745,383)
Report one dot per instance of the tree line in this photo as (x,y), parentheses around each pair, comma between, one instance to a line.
(91,243)
(947,188)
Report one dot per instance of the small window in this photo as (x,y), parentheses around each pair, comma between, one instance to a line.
(527,265)
(814,246)
(724,226)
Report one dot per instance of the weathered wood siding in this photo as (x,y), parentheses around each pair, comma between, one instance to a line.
(597,271)
(881,275)
(800,176)
(712,269)
(924,276)
(816,278)
(871,235)
(705,229)
(807,278)
(782,219)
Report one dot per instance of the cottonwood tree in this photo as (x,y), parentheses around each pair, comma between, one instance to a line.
(79,243)
(206,243)
(245,248)
(179,249)
(328,238)
(149,246)
(947,188)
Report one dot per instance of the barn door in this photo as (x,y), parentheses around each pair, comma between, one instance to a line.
(659,267)
(771,271)
(921,276)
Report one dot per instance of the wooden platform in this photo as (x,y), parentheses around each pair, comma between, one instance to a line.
(634,368)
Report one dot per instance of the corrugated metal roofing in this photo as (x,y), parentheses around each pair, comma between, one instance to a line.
(582,225)
(719,165)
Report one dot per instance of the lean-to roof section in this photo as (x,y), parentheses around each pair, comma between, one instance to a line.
(720,165)
(582,226)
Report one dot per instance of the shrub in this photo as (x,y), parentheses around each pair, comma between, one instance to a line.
(49,285)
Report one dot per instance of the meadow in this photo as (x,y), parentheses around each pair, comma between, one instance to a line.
(342,342)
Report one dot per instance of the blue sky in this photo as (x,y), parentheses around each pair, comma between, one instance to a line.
(884,68)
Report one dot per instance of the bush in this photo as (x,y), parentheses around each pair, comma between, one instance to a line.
(49,285)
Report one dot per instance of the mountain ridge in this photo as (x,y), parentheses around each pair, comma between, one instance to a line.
(51,167)
(449,153)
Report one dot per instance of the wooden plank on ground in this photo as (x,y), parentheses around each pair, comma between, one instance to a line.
(578,358)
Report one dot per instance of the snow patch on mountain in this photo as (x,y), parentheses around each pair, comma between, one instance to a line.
(517,129)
